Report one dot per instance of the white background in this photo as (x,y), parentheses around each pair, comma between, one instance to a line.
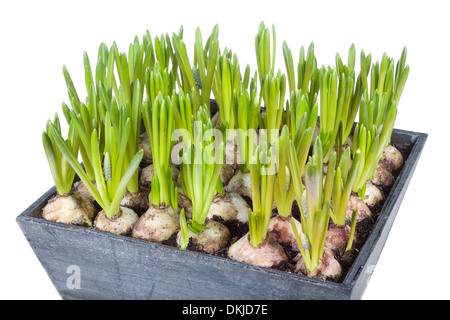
(38,37)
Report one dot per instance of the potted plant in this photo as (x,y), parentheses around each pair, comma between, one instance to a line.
(320,193)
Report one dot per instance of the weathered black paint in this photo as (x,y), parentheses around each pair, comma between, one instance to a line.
(120,267)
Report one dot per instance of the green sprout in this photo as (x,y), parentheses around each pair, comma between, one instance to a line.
(111,180)
(247,81)
(109,104)
(185,118)
(352,230)
(387,81)
(349,68)
(314,205)
(284,191)
(344,179)
(273,87)
(273,91)
(200,76)
(262,178)
(385,91)
(401,75)
(247,115)
(205,61)
(62,172)
(226,87)
(132,68)
(184,111)
(157,81)
(127,94)
(162,53)
(133,111)
(296,107)
(378,111)
(330,109)
(89,113)
(301,130)
(380,118)
(353,89)
(262,48)
(182,58)
(158,77)
(159,123)
(365,68)
(200,173)
(307,71)
(184,230)
(335,98)
(367,141)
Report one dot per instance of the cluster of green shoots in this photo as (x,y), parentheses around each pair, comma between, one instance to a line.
(262,179)
(247,113)
(377,114)
(62,173)
(200,172)
(159,122)
(104,129)
(157,83)
(336,94)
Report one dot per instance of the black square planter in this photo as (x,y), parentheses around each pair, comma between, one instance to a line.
(84,263)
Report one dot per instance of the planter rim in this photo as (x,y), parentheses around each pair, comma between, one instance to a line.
(25,217)
(418,140)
